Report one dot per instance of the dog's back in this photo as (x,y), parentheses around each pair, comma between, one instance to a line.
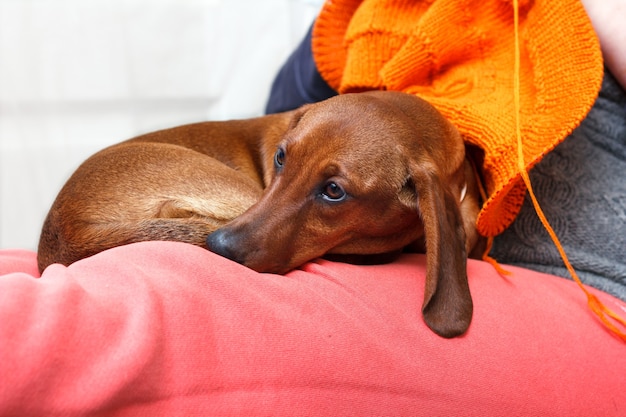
(169,193)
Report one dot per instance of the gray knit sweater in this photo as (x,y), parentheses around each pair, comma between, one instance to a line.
(581,187)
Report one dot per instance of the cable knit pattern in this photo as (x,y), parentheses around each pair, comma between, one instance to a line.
(581,186)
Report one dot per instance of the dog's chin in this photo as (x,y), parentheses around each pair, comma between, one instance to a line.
(371,259)
(270,269)
(355,259)
(268,265)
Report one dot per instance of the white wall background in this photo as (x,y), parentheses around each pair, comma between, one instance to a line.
(78,75)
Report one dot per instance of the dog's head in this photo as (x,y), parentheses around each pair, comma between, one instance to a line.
(365,173)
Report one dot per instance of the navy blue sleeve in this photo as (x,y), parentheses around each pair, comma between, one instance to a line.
(298,82)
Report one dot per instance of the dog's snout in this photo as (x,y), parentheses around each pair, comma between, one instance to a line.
(221,243)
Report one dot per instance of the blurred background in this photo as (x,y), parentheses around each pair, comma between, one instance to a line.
(79,75)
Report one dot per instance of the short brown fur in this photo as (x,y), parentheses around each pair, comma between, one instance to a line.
(359,174)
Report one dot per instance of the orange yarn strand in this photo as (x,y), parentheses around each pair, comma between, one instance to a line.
(491,260)
(603,312)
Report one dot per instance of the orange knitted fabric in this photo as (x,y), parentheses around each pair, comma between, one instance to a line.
(459,55)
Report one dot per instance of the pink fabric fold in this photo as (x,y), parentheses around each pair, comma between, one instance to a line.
(162,328)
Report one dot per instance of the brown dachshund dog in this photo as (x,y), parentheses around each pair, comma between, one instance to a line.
(358,174)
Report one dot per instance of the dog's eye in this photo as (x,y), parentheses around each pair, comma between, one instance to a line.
(279,158)
(333,192)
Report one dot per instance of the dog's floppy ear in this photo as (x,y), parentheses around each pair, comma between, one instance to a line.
(447,307)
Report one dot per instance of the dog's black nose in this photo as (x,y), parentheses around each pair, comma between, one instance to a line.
(221,243)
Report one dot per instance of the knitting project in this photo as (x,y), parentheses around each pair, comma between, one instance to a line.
(459,55)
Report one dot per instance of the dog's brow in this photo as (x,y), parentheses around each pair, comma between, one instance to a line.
(332,169)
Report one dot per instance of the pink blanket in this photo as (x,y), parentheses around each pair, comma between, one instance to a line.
(164,328)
